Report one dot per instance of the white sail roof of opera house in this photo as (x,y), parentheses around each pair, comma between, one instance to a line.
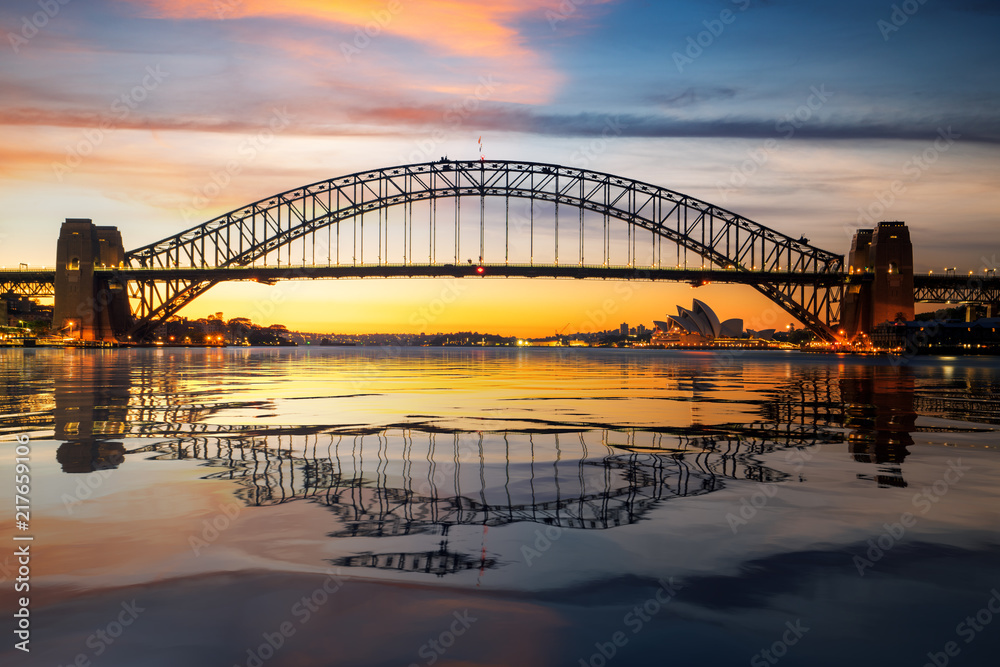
(713,320)
(701,319)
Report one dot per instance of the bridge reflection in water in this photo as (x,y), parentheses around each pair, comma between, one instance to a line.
(402,482)
(405,482)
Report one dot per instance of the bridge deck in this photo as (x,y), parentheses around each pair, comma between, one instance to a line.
(40,275)
(927,288)
(274,273)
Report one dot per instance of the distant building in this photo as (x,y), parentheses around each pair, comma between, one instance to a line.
(763,334)
(948,336)
(623,330)
(15,309)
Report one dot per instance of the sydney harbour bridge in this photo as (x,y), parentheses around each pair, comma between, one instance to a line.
(479,219)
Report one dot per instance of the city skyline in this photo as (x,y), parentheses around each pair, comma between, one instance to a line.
(156,116)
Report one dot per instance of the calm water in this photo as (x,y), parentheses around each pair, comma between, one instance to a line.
(361,506)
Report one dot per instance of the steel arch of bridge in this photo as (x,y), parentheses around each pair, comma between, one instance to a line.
(257,232)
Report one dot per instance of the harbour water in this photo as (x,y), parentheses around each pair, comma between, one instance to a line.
(375,506)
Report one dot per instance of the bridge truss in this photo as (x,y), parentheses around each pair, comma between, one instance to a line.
(957,289)
(31,283)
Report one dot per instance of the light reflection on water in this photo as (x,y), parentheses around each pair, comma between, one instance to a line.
(529,470)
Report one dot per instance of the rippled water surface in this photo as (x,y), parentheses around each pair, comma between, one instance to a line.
(365,506)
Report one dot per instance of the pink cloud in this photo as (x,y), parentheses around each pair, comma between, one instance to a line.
(484,35)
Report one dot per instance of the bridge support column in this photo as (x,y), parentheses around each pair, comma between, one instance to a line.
(89,307)
(880,280)
(855,310)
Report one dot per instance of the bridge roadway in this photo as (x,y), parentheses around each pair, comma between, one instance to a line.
(271,274)
(39,282)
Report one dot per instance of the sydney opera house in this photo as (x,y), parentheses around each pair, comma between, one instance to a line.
(700,325)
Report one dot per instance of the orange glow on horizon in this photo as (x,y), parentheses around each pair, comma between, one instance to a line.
(525,307)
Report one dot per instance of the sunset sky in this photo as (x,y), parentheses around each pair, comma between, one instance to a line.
(124,111)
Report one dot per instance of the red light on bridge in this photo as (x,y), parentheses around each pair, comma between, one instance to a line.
(480,270)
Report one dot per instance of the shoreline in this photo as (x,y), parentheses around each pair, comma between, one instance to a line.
(937,352)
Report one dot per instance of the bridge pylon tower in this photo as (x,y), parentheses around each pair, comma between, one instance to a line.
(87,306)
(879,282)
